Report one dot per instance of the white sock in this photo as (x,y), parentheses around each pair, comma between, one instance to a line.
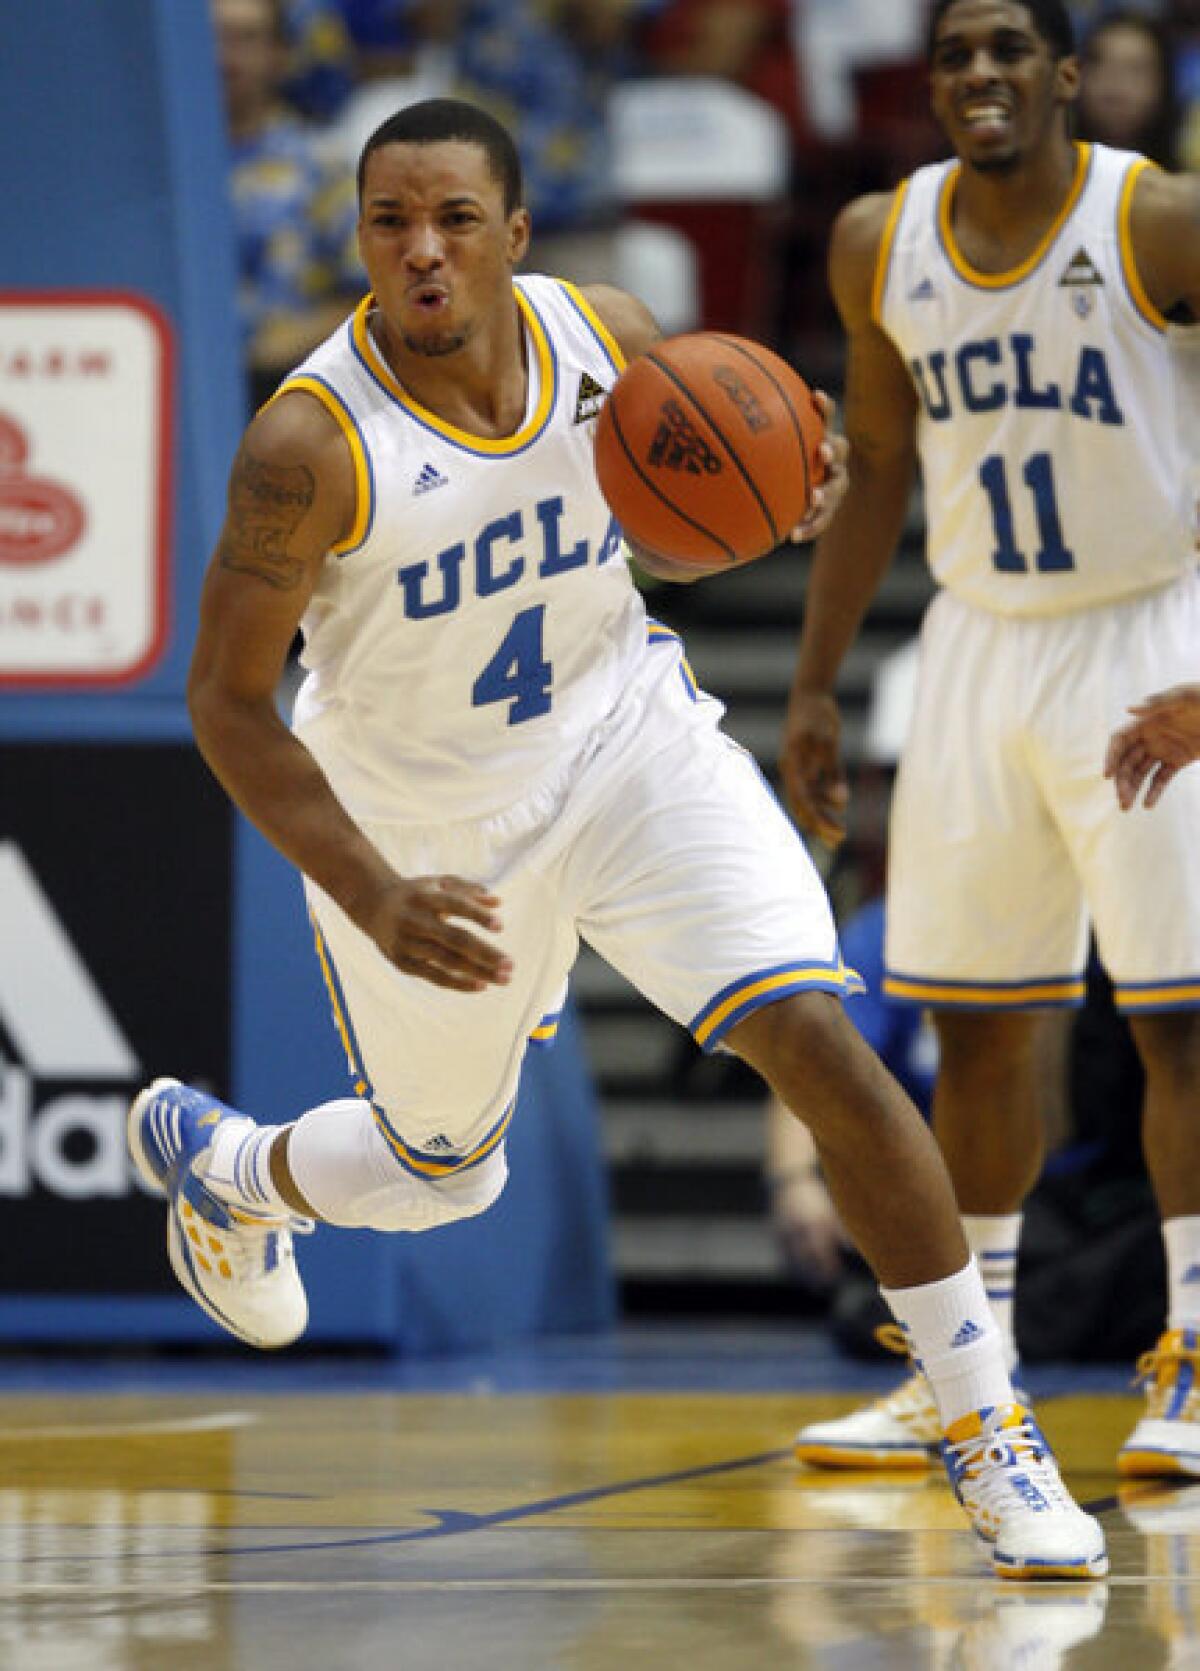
(237,1168)
(994,1241)
(955,1341)
(1182,1238)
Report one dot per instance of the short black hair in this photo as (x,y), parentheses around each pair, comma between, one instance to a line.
(1050,18)
(434,122)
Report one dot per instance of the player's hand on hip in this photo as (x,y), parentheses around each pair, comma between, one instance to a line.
(811,767)
(417,925)
(834,453)
(1152,748)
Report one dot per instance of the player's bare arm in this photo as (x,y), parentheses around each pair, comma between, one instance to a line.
(291,497)
(636,330)
(852,554)
(1165,229)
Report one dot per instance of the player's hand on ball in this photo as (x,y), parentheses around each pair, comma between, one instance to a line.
(415,922)
(834,454)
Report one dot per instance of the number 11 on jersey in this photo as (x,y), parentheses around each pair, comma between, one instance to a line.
(1053,555)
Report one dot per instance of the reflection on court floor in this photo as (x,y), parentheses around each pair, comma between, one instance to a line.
(287,1516)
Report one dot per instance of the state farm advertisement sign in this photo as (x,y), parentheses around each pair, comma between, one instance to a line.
(85,413)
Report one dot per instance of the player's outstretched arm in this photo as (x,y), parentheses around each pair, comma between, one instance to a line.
(1162,738)
(291,497)
(856,547)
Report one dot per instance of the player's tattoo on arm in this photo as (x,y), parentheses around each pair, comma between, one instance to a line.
(268,502)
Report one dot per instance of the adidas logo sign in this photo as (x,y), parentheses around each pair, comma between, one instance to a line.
(428,479)
(924,292)
(1081,269)
(589,400)
(966,1334)
(439,1145)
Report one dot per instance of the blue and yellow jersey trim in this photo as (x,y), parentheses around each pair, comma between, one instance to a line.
(656,633)
(1129,269)
(364,474)
(887,244)
(1047,992)
(742,997)
(501,446)
(596,325)
(1002,281)
(1139,997)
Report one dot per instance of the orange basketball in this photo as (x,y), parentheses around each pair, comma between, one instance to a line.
(706,449)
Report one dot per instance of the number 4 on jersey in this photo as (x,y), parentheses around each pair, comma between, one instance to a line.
(519,672)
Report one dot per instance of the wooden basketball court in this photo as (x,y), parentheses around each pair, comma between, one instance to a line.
(599,1507)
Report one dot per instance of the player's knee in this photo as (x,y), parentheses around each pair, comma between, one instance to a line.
(344,1168)
(416,1204)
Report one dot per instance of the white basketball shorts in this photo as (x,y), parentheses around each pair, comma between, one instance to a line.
(663,847)
(1005,837)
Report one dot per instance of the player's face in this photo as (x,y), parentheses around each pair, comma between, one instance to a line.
(995,85)
(437,245)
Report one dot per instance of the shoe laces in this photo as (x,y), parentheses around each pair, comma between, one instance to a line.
(1157,1372)
(1008,1463)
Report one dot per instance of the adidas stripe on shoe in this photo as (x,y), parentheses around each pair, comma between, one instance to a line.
(238,1266)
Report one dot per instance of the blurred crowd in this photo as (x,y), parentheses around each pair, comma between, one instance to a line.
(642,126)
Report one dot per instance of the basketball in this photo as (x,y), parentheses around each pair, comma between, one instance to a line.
(706,449)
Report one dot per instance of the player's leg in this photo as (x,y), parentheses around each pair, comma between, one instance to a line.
(984,918)
(868,1135)
(420,1144)
(1166,1441)
(712,907)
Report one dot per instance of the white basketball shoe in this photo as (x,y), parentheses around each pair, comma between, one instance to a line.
(1005,1476)
(1166,1442)
(238,1266)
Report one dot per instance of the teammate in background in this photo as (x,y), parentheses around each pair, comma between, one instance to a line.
(495,753)
(1007,320)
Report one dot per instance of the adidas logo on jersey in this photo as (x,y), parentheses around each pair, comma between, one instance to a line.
(439,1145)
(924,292)
(966,1334)
(589,400)
(679,445)
(428,479)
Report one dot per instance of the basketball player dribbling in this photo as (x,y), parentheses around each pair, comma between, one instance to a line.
(493,754)
(1023,318)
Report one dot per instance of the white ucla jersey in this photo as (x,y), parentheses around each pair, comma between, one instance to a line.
(1056,427)
(480,619)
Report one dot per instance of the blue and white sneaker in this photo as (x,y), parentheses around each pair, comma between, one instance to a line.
(1005,1476)
(239,1267)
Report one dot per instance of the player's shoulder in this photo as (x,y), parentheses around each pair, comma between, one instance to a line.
(855,244)
(299,447)
(625,316)
(1166,201)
